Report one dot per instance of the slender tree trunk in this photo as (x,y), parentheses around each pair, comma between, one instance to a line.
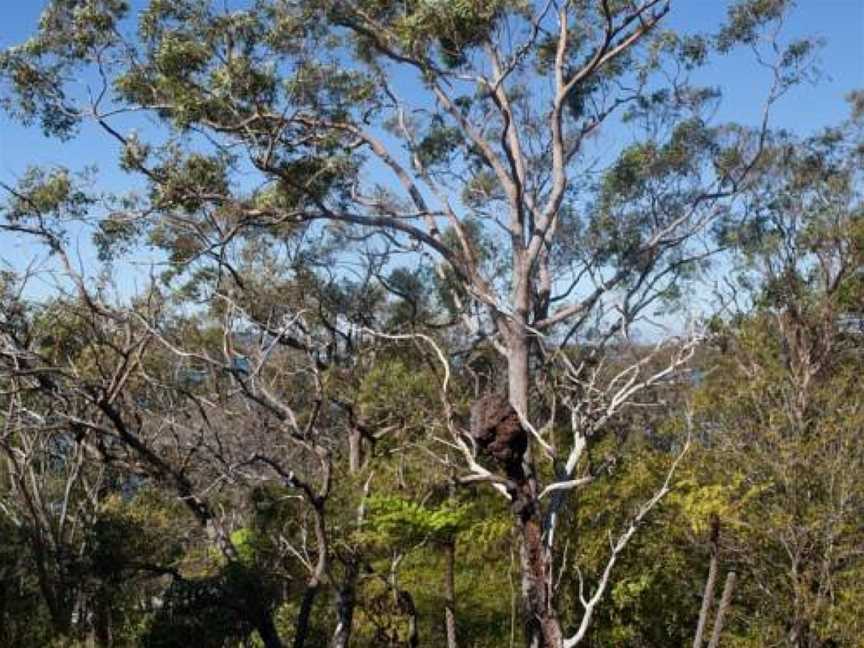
(708,595)
(345,601)
(346,594)
(406,605)
(59,610)
(707,600)
(305,614)
(450,593)
(267,631)
(102,621)
(355,449)
(313,586)
(725,602)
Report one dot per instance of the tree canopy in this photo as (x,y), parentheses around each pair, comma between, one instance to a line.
(423,353)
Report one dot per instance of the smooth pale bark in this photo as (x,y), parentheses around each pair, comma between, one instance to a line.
(725,602)
(346,593)
(708,594)
(450,594)
(355,449)
(707,600)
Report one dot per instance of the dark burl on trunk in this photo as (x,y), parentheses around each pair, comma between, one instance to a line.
(496,429)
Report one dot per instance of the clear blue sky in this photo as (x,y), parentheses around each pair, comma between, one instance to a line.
(805,109)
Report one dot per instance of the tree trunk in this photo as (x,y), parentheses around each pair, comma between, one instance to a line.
(406,605)
(708,595)
(267,631)
(541,624)
(355,449)
(313,585)
(725,603)
(55,597)
(302,625)
(102,621)
(450,593)
(517,370)
(345,601)
(542,628)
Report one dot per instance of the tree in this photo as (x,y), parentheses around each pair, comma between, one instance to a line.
(783,405)
(775,402)
(458,133)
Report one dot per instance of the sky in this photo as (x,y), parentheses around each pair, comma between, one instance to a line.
(804,110)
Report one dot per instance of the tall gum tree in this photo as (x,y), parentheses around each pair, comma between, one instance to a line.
(468,136)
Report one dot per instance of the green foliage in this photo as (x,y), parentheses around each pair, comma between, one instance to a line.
(393,521)
(265,200)
(390,382)
(49,197)
(437,144)
(455,25)
(746,17)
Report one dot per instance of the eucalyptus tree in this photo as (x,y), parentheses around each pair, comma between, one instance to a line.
(796,358)
(463,138)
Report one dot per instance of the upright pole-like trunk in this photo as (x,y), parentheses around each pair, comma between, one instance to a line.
(406,605)
(355,449)
(313,585)
(708,595)
(346,598)
(102,621)
(517,369)
(725,603)
(304,616)
(346,593)
(267,631)
(450,593)
(542,627)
